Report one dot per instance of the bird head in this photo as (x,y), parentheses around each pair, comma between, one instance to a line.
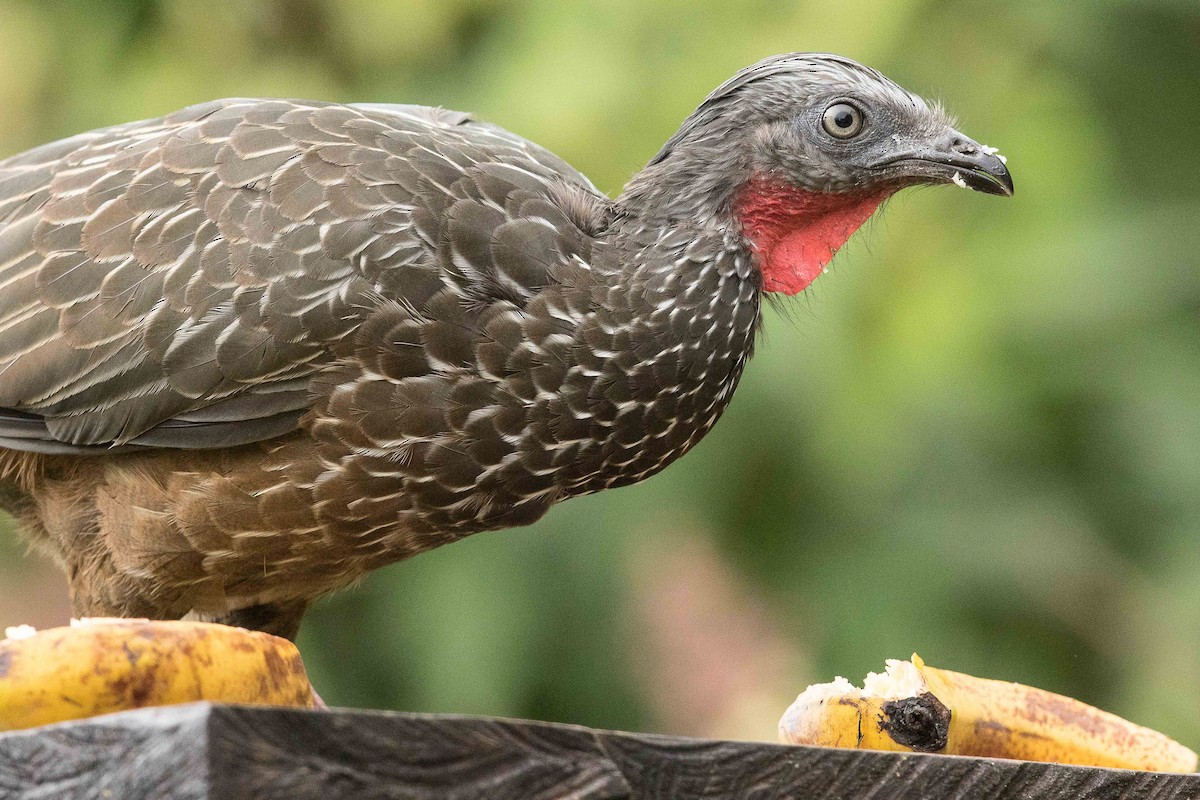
(802,148)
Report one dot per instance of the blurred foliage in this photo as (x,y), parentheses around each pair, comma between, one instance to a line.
(978,437)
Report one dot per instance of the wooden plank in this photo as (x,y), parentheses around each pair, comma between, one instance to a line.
(158,753)
(229,753)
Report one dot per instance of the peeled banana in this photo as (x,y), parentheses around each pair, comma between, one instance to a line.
(102,666)
(912,707)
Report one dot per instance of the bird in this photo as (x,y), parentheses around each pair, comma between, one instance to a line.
(252,350)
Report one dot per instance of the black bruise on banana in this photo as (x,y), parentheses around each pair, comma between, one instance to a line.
(921,722)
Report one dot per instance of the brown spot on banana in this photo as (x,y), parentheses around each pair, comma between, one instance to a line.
(921,722)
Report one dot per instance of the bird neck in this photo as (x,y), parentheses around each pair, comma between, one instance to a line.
(696,186)
(794,233)
(791,233)
(673,335)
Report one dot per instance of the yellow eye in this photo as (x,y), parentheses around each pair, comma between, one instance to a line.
(842,121)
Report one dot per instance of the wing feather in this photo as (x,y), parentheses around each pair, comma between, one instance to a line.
(180,282)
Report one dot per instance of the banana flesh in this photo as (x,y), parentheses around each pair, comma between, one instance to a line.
(112,665)
(915,708)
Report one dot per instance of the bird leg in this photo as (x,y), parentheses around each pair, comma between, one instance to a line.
(277,619)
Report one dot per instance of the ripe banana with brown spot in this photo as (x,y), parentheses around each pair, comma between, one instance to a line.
(912,707)
(112,665)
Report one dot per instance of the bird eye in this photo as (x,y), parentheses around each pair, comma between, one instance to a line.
(842,121)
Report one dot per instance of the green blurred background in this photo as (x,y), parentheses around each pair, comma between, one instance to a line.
(978,437)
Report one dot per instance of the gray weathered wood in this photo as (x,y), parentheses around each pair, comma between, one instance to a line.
(229,752)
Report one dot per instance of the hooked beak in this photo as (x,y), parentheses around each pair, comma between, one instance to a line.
(953,158)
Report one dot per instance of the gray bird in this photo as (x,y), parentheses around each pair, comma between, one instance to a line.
(257,348)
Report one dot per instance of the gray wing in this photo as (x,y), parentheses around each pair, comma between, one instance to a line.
(179,282)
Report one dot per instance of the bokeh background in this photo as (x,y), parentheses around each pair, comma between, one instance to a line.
(978,437)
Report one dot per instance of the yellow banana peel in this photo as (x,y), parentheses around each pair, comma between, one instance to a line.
(915,708)
(112,665)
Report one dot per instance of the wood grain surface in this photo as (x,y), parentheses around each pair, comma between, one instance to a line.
(229,753)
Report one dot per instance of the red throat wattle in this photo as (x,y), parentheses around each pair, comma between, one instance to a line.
(794,232)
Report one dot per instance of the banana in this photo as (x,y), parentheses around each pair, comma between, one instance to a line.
(912,707)
(102,666)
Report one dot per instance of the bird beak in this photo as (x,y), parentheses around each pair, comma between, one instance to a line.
(954,158)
